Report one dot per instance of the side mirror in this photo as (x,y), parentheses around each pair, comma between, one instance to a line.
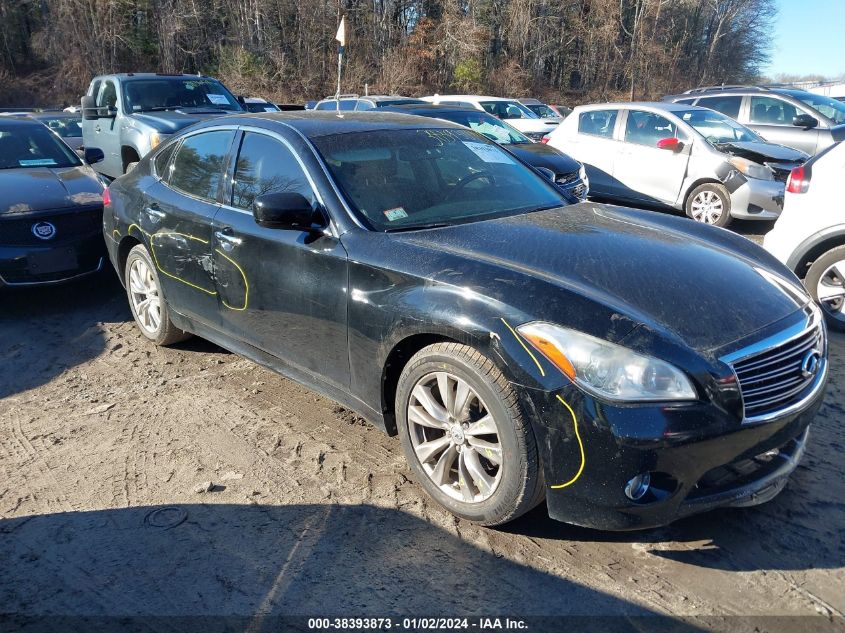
(548,173)
(283,210)
(94,155)
(672,144)
(241,99)
(805,120)
(89,108)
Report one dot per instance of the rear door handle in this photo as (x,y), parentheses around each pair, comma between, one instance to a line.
(227,239)
(154,211)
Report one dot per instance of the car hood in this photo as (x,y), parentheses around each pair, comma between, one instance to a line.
(33,189)
(170,121)
(702,286)
(542,155)
(761,152)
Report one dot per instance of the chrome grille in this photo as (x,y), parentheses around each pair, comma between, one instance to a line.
(775,378)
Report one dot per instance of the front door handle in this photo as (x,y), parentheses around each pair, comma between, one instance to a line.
(227,239)
(97,129)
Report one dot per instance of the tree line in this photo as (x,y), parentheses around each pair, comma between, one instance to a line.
(568,51)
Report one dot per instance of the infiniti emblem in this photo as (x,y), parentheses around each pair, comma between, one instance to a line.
(810,363)
(44,230)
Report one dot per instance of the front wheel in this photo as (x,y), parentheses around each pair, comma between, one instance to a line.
(825,281)
(464,435)
(143,288)
(710,203)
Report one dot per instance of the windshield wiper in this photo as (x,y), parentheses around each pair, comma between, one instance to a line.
(416,227)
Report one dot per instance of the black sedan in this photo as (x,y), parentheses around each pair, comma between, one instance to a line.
(521,346)
(567,172)
(51,208)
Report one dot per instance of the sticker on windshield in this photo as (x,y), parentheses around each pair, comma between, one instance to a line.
(217,99)
(395,214)
(37,162)
(488,153)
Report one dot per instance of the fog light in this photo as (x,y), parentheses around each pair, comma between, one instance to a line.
(638,486)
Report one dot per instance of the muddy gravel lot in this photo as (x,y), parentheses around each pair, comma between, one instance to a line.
(137,481)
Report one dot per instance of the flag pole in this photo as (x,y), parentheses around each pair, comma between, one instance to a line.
(340,37)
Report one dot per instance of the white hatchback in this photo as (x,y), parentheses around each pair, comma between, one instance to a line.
(809,236)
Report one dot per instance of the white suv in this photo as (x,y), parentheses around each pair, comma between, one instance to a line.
(509,110)
(809,236)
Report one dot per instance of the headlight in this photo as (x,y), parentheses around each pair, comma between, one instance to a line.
(751,169)
(156,139)
(582,174)
(607,370)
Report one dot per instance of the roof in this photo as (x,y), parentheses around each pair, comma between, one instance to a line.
(429,107)
(666,106)
(467,98)
(316,123)
(370,97)
(131,76)
(530,101)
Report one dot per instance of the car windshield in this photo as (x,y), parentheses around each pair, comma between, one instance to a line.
(66,127)
(146,95)
(33,145)
(507,110)
(717,128)
(419,178)
(485,124)
(831,108)
(542,110)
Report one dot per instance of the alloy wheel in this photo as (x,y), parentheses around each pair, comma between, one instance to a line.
(146,300)
(830,290)
(707,207)
(455,437)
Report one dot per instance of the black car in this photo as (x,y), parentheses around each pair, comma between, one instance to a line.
(522,347)
(51,208)
(568,173)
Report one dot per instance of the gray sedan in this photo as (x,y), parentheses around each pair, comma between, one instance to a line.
(681,156)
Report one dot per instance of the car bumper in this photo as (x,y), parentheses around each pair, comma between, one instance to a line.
(698,458)
(42,265)
(758,200)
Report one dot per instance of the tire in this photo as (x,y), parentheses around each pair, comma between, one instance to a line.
(142,283)
(702,203)
(517,481)
(827,277)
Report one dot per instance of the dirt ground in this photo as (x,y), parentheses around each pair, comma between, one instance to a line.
(108,445)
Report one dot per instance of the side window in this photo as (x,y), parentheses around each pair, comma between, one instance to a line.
(727,105)
(598,122)
(646,128)
(198,165)
(326,105)
(161,160)
(365,105)
(348,104)
(107,98)
(266,166)
(772,111)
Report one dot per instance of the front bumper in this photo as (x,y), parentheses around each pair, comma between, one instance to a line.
(47,264)
(758,200)
(698,457)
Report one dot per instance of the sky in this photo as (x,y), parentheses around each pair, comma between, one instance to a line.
(809,38)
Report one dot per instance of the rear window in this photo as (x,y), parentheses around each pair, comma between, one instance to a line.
(598,122)
(727,105)
(197,168)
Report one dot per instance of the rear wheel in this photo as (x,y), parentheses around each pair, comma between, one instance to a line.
(710,203)
(152,315)
(825,281)
(465,437)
